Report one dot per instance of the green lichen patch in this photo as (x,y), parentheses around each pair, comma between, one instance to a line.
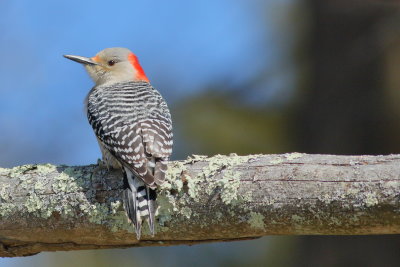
(186,212)
(71,201)
(6,209)
(297,219)
(256,220)
(19,170)
(97,213)
(67,182)
(176,172)
(33,204)
(44,169)
(220,162)
(248,196)
(118,218)
(166,207)
(205,182)
(39,186)
(71,205)
(110,214)
(194,188)
(173,177)
(218,215)
(230,184)
(217,179)
(41,205)
(119,221)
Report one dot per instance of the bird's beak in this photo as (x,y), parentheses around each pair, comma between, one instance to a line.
(82,60)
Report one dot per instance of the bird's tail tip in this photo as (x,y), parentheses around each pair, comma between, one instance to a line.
(139,203)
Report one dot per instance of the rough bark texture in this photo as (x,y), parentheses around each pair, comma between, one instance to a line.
(222,198)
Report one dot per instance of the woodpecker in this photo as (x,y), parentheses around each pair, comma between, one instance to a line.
(133,126)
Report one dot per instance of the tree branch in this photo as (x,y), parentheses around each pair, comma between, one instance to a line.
(222,198)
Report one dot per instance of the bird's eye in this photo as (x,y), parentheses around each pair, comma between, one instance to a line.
(111,63)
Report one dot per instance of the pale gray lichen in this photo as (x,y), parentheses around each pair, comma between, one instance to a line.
(119,221)
(370,199)
(173,177)
(294,155)
(98,213)
(241,201)
(333,221)
(268,200)
(276,161)
(44,169)
(391,184)
(390,187)
(65,182)
(256,220)
(5,193)
(193,188)
(70,198)
(226,186)
(230,184)
(18,170)
(353,191)
(194,158)
(166,206)
(33,203)
(68,186)
(297,219)
(287,156)
(325,198)
(41,206)
(186,212)
(39,186)
(6,209)
(4,171)
(115,207)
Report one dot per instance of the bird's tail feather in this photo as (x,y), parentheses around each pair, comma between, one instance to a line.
(139,202)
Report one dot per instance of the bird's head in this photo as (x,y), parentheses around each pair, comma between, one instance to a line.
(112,65)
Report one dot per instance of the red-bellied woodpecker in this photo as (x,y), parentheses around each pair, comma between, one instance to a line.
(133,127)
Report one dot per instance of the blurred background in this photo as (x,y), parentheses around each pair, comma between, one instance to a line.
(244,76)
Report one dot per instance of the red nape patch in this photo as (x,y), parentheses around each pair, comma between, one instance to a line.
(141,76)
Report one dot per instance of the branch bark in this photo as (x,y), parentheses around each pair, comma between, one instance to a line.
(222,198)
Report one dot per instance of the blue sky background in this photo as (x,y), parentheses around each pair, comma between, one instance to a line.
(183,46)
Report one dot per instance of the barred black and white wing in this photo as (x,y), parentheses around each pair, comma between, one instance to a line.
(133,123)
